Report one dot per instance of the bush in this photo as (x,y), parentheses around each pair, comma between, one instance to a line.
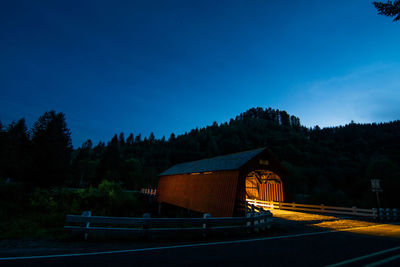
(41,212)
(14,199)
(110,200)
(42,200)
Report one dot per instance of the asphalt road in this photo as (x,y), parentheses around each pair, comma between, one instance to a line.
(313,249)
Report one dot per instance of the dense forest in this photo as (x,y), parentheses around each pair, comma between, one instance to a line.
(330,165)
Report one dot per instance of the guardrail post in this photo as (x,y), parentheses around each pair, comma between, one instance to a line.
(268,219)
(374,213)
(249,222)
(87,213)
(257,222)
(381,213)
(388,214)
(322,207)
(159,209)
(253,219)
(354,210)
(145,224)
(205,224)
(263,220)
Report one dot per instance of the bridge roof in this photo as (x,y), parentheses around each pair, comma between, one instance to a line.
(221,163)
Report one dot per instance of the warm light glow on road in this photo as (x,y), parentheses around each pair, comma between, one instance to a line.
(300,216)
(340,224)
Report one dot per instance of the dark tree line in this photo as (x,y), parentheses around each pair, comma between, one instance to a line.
(136,161)
(330,165)
(40,156)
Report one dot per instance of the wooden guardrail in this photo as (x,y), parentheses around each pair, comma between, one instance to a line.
(315,208)
(87,224)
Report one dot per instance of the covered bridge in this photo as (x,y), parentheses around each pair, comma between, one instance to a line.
(220,185)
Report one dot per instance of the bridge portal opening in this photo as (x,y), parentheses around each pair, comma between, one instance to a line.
(264,185)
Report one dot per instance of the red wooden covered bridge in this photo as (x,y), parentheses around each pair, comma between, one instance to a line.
(220,185)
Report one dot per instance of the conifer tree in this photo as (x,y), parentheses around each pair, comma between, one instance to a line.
(52,146)
(390,9)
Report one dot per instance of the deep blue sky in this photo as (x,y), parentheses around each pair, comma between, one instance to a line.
(170,66)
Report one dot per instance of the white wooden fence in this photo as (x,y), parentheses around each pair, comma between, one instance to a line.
(315,208)
(252,222)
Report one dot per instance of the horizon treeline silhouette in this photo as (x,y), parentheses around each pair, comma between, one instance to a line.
(331,165)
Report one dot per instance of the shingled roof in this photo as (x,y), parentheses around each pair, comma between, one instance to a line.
(221,163)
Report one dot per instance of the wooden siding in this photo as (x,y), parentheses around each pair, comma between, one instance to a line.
(271,192)
(212,193)
(240,196)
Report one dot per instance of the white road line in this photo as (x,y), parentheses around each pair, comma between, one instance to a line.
(377,263)
(163,248)
(364,257)
(183,246)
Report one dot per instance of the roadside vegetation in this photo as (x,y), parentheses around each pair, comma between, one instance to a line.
(27,212)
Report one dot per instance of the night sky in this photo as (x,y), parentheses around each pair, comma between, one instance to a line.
(170,66)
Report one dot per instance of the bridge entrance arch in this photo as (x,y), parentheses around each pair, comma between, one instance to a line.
(264,185)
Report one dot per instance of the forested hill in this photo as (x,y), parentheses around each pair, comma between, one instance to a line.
(136,161)
(330,165)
